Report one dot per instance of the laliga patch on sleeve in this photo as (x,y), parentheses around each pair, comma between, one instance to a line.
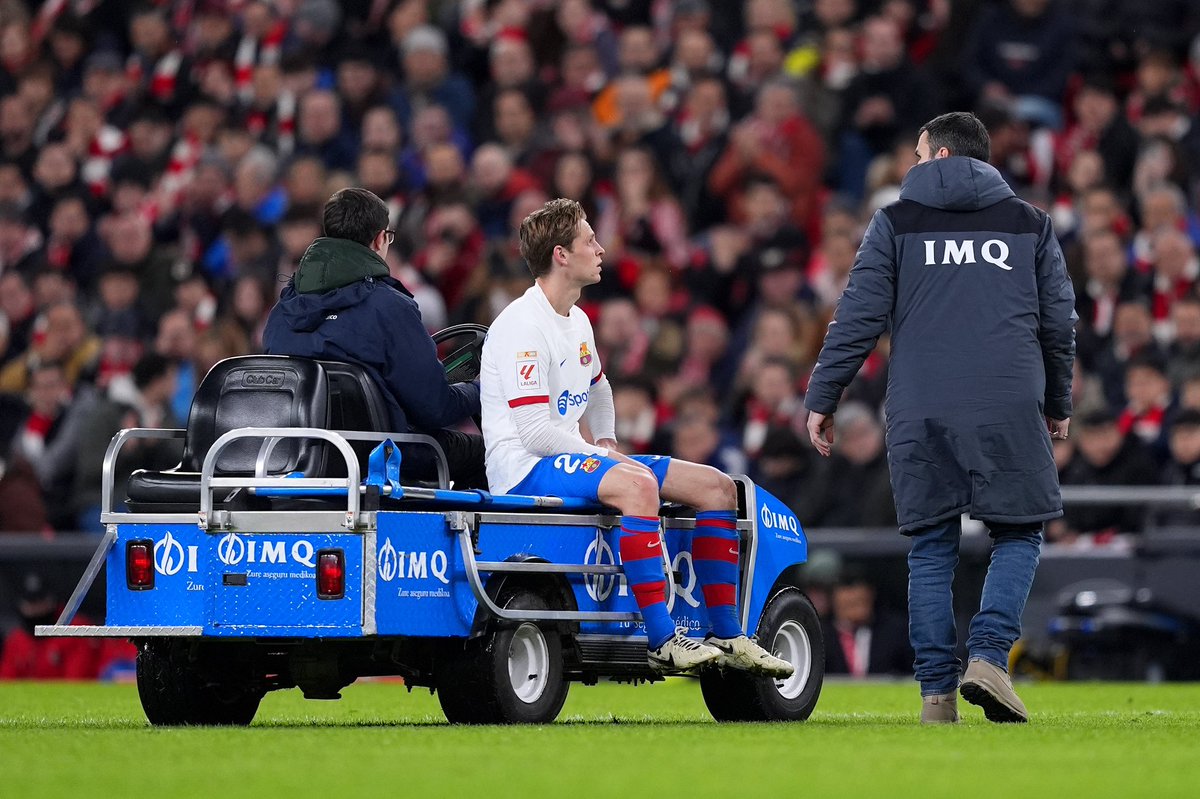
(528,374)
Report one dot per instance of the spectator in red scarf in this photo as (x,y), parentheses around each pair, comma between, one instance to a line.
(158,70)
(1175,270)
(772,402)
(1099,125)
(49,436)
(1149,394)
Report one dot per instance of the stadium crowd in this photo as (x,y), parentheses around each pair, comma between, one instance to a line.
(163,166)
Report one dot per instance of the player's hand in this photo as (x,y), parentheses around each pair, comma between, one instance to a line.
(1057,427)
(617,455)
(820,432)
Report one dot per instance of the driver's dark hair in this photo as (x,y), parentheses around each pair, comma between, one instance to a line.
(960,132)
(354,214)
(555,224)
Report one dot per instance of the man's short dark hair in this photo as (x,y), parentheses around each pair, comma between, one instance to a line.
(960,132)
(354,214)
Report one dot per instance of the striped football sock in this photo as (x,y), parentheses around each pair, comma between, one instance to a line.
(641,557)
(715,559)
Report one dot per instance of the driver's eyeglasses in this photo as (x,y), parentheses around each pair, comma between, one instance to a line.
(391,235)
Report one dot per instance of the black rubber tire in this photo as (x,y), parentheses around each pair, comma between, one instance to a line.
(738,696)
(473,683)
(175,693)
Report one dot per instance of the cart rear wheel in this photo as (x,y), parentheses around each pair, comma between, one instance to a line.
(174,691)
(511,675)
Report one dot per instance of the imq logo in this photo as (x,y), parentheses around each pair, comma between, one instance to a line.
(777,521)
(170,556)
(400,565)
(994,251)
(233,549)
(263,379)
(600,586)
(599,553)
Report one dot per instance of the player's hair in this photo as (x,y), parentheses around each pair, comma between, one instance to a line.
(354,214)
(960,132)
(555,224)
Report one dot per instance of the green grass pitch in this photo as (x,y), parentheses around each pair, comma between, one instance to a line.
(1085,740)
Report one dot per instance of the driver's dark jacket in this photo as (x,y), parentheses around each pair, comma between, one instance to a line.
(970,282)
(342,305)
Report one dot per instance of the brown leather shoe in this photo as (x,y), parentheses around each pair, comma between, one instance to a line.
(939,709)
(989,687)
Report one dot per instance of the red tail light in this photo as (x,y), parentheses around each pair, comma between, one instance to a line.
(331,574)
(139,565)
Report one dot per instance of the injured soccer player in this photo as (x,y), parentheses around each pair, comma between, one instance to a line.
(540,376)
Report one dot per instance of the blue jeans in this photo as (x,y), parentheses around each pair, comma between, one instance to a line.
(995,627)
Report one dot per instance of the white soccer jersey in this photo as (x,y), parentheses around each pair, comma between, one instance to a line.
(533,356)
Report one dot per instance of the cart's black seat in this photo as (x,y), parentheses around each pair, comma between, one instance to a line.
(355,403)
(246,391)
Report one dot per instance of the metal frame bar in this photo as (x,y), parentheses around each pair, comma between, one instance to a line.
(1186,496)
(107,478)
(465,523)
(208,482)
(121,631)
(544,568)
(369,586)
(268,448)
(579,520)
(89,576)
(751,528)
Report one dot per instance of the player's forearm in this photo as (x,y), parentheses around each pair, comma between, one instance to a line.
(541,438)
(601,413)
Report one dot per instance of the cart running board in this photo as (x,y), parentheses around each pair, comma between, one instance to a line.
(618,653)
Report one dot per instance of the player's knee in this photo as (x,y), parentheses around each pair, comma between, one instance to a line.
(715,490)
(724,490)
(631,490)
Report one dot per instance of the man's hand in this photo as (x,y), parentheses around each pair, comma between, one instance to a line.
(820,432)
(1057,427)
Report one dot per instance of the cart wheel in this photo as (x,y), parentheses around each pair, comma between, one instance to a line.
(511,675)
(174,692)
(790,628)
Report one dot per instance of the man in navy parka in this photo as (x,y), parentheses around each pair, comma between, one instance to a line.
(343,305)
(971,285)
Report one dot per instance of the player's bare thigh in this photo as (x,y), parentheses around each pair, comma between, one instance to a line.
(699,486)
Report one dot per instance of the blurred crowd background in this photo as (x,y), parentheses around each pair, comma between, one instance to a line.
(163,167)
